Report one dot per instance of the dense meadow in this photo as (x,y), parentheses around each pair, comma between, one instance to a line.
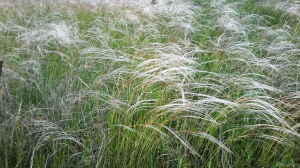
(150,84)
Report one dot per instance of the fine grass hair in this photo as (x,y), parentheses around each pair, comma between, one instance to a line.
(141,83)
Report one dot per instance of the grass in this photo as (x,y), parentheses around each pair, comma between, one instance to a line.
(183,84)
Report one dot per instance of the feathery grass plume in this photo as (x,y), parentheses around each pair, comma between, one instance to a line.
(289,7)
(179,13)
(103,54)
(169,7)
(229,20)
(170,64)
(48,132)
(60,33)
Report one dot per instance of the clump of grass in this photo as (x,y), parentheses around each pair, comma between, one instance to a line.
(141,84)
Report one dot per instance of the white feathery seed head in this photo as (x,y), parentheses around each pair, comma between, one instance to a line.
(60,32)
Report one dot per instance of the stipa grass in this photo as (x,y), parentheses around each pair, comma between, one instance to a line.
(169,84)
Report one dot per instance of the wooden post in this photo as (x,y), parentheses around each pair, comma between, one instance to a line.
(1,65)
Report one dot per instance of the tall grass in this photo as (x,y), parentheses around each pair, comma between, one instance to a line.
(142,84)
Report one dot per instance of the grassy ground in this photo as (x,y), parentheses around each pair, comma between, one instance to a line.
(183,84)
